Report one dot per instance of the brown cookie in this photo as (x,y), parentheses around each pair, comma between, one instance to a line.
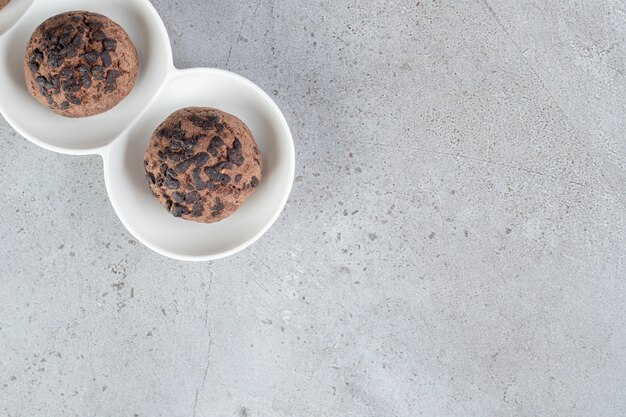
(202,164)
(80,64)
(3,3)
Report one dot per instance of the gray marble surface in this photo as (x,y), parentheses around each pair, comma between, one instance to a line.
(453,246)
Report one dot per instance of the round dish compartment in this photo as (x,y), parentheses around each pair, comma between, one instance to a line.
(144,216)
(85,135)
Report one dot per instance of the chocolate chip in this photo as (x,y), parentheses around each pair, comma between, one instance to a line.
(83,69)
(41,81)
(33,66)
(169,172)
(218,205)
(217,141)
(72,99)
(237,178)
(53,60)
(171,183)
(70,86)
(109,44)
(178,197)
(192,197)
(91,57)
(112,76)
(55,81)
(200,158)
(98,35)
(198,183)
(36,55)
(77,41)
(197,210)
(65,39)
(168,205)
(216,176)
(223,165)
(76,18)
(179,210)
(150,178)
(220,127)
(106,59)
(177,145)
(203,122)
(163,133)
(168,154)
(94,25)
(68,28)
(64,105)
(159,181)
(212,174)
(254,182)
(192,141)
(188,151)
(184,165)
(234,156)
(177,133)
(237,144)
(97,72)
(86,80)
(66,72)
(71,51)
(47,35)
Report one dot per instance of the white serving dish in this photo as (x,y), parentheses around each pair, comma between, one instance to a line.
(120,135)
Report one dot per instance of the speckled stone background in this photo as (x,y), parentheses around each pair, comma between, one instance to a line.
(453,246)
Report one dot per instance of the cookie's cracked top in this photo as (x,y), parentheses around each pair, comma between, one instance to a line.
(80,64)
(202,164)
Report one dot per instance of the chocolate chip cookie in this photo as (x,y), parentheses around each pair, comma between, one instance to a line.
(80,64)
(202,164)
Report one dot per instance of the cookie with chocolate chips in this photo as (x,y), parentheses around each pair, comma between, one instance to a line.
(202,164)
(80,64)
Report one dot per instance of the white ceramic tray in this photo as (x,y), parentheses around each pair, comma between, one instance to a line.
(120,135)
